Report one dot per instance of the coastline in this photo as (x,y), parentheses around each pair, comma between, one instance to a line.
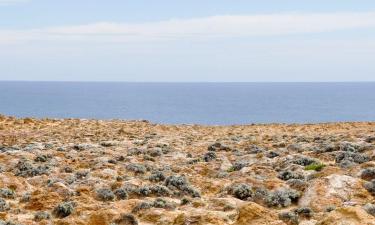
(178,174)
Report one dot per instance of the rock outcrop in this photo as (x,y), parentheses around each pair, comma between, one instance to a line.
(94,172)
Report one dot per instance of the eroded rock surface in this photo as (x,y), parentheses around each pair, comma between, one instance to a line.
(116,172)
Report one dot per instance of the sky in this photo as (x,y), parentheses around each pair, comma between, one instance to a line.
(187,40)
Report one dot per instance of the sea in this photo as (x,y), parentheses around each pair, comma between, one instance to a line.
(192,103)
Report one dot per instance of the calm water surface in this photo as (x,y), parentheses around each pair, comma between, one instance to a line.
(202,103)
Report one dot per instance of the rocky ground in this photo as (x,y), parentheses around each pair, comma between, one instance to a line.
(136,172)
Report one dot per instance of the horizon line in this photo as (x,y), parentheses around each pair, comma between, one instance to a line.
(109,81)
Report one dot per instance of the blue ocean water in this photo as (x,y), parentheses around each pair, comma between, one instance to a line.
(192,103)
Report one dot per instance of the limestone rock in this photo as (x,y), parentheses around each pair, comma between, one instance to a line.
(348,216)
(333,190)
(254,214)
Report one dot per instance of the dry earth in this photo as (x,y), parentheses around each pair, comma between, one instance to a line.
(135,172)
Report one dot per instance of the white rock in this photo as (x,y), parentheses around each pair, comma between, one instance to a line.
(225,164)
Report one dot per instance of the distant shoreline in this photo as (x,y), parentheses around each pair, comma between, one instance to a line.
(190,82)
(181,124)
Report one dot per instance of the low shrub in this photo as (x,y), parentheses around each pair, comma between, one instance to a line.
(282,198)
(370,209)
(241,191)
(368,174)
(136,168)
(3,205)
(105,194)
(209,156)
(289,218)
(121,194)
(156,176)
(64,209)
(315,166)
(7,193)
(128,219)
(370,186)
(39,216)
(287,175)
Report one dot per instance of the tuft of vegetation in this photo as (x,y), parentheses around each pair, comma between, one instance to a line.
(272,154)
(304,212)
(2,222)
(297,184)
(370,209)
(304,161)
(209,156)
(231,169)
(39,216)
(254,149)
(185,201)
(3,205)
(287,175)
(156,152)
(128,219)
(176,181)
(330,208)
(157,203)
(156,176)
(352,157)
(7,193)
(194,161)
(370,139)
(136,168)
(238,166)
(241,191)
(368,174)
(135,151)
(370,186)
(160,203)
(42,158)
(182,184)
(26,197)
(289,218)
(218,147)
(141,206)
(148,158)
(67,169)
(156,190)
(63,209)
(315,166)
(163,204)
(121,194)
(105,194)
(282,198)
(25,169)
(82,174)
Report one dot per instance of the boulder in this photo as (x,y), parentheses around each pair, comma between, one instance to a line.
(254,214)
(333,190)
(348,216)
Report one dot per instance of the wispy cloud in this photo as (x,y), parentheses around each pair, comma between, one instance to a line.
(199,28)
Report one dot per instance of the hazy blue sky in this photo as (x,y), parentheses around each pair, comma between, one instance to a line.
(187,40)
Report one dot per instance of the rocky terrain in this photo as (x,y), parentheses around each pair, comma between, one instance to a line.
(135,172)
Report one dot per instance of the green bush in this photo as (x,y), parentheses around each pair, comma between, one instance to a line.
(315,166)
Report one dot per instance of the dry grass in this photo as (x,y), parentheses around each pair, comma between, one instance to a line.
(17,137)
